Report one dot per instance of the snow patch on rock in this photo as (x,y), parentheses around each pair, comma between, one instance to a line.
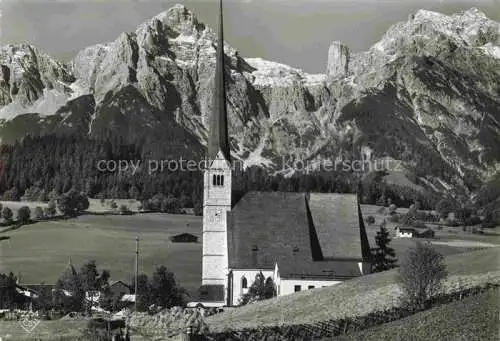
(274,74)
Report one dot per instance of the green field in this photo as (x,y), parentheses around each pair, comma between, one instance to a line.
(474,318)
(40,252)
(355,297)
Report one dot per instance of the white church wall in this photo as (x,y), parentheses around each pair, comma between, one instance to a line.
(238,291)
(213,270)
(213,243)
(288,284)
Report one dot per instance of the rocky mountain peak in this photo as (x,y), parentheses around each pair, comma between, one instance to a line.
(176,21)
(338,60)
(27,75)
(430,79)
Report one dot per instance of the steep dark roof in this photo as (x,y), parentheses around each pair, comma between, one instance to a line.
(184,237)
(335,217)
(319,269)
(218,135)
(316,235)
(113,283)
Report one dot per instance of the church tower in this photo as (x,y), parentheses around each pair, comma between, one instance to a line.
(217,186)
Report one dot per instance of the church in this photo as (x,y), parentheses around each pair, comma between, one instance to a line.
(299,240)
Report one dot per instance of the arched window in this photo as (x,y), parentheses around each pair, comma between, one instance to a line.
(244,282)
(214,181)
(222,180)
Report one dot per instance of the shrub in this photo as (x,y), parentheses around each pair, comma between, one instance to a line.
(53,195)
(7,214)
(429,233)
(395,218)
(392,209)
(39,215)
(419,224)
(72,203)
(113,205)
(124,209)
(24,214)
(11,195)
(474,220)
(421,273)
(51,210)
(260,289)
(445,207)
(381,201)
(370,220)
(475,230)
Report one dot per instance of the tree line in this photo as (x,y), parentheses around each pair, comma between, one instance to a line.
(72,292)
(43,168)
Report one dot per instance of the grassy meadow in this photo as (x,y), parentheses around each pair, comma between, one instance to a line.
(474,318)
(355,297)
(40,252)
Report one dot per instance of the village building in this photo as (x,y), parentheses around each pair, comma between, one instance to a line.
(299,240)
(184,238)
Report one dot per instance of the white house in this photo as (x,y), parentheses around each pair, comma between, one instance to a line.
(405,232)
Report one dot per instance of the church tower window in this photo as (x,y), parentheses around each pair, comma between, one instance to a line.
(218,180)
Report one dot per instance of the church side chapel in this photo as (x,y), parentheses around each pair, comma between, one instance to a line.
(299,240)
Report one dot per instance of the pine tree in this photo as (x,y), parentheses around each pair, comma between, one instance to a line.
(383,255)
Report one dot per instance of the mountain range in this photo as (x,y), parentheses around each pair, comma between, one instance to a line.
(426,98)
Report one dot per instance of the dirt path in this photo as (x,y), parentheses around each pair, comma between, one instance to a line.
(464,243)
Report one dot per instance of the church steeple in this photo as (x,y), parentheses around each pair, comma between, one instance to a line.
(218,135)
(217,190)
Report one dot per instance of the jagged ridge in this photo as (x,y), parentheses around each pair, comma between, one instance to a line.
(433,79)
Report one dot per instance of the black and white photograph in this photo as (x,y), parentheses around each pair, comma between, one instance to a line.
(249,170)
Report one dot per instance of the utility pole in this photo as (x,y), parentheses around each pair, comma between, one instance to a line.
(136,271)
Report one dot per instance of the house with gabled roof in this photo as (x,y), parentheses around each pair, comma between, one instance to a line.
(299,240)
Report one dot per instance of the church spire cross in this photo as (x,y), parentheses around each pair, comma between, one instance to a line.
(218,135)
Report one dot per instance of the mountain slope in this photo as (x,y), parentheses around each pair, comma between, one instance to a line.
(428,94)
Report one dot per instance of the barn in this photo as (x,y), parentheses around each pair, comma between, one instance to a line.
(184,238)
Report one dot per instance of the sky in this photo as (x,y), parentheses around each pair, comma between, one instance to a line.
(294,32)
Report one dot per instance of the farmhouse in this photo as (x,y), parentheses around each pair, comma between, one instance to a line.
(299,240)
(184,238)
(414,232)
(119,288)
(405,232)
